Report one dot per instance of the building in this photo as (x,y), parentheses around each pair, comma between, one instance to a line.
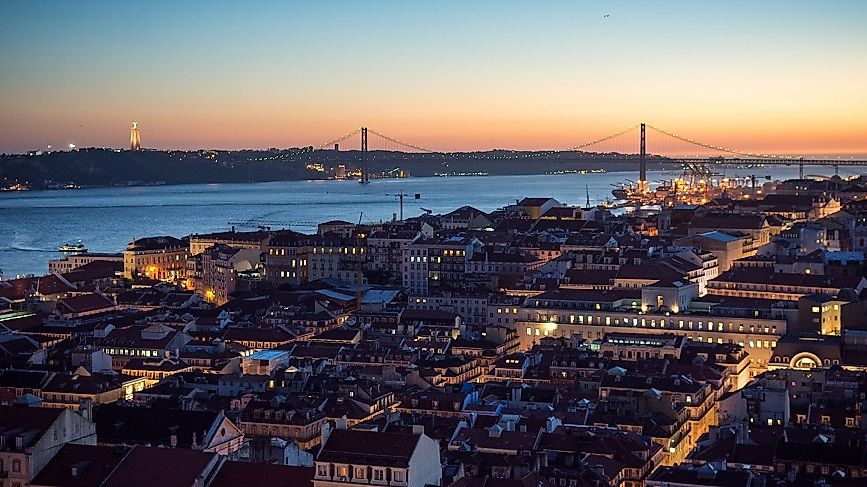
(221,266)
(154,342)
(386,247)
(534,208)
(205,431)
(80,387)
(357,457)
(726,247)
(466,218)
(763,284)
(239,240)
(332,256)
(828,315)
(33,435)
(638,346)
(286,258)
(264,362)
(163,258)
(591,314)
(430,263)
(287,420)
(72,262)
(754,225)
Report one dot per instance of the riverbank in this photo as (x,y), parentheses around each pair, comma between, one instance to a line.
(35,223)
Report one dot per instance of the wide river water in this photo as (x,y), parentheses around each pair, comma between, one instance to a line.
(34,223)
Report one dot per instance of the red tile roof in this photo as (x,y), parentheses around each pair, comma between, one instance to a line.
(93,464)
(369,448)
(234,474)
(84,303)
(165,467)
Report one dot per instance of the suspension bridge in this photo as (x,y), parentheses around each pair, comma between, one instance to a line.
(642,142)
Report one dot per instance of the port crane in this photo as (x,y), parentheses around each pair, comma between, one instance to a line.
(266,225)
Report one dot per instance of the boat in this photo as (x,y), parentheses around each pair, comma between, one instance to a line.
(620,193)
(78,248)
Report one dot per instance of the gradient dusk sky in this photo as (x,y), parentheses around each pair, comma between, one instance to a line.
(782,76)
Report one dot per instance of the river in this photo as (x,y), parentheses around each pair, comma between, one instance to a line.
(34,223)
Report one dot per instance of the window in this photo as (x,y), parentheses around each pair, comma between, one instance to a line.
(378,474)
(322,470)
(359,472)
(397,475)
(16,466)
(342,471)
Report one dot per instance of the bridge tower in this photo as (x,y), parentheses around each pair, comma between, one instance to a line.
(642,161)
(365,177)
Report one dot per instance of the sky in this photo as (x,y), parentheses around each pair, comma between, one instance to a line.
(770,76)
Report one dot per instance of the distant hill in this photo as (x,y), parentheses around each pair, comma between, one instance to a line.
(108,167)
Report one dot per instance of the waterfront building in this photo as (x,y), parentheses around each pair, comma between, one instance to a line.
(162,258)
(239,240)
(72,262)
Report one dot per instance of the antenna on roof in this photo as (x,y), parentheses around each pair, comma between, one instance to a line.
(587,190)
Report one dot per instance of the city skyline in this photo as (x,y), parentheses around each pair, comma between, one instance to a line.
(779,77)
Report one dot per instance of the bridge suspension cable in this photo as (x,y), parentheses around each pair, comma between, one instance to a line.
(523,154)
(602,139)
(404,144)
(719,148)
(338,140)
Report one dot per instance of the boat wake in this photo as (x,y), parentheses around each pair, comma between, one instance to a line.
(24,248)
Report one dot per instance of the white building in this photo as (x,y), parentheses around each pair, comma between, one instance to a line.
(356,457)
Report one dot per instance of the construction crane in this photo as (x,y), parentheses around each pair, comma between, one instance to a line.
(401,196)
